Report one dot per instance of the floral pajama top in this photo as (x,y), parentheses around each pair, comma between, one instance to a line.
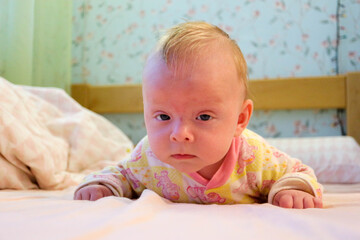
(252,172)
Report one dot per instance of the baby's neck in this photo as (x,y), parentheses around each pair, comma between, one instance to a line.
(209,171)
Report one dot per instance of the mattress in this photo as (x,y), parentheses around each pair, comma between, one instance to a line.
(40,214)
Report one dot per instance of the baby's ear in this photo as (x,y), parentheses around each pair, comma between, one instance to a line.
(244,116)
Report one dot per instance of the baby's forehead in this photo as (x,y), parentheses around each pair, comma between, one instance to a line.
(191,70)
(191,54)
(190,59)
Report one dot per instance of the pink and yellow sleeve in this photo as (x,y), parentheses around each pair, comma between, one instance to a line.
(297,176)
(119,179)
(112,178)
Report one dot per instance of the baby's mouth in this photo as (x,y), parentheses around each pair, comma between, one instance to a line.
(182,156)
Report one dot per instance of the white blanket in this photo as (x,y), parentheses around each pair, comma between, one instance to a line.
(54,215)
(48,141)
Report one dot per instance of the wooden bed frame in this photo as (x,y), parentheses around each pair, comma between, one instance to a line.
(337,92)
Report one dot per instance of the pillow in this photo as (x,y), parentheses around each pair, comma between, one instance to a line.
(334,159)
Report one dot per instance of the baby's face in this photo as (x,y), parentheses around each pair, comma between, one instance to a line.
(192,117)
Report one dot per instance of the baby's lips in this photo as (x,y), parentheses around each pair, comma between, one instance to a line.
(182,156)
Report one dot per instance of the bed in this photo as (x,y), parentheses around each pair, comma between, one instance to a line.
(27,212)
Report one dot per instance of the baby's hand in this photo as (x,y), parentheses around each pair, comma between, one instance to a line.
(296,199)
(92,192)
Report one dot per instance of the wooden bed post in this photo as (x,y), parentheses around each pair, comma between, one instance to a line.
(353,105)
(80,92)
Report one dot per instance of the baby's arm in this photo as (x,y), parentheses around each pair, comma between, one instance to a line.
(116,180)
(296,199)
(92,192)
(296,185)
(279,175)
(107,182)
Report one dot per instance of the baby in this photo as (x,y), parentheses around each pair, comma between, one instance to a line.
(197,148)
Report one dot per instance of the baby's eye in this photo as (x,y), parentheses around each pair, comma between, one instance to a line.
(204,117)
(163,117)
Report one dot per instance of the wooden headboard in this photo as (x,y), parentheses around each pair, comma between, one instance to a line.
(339,92)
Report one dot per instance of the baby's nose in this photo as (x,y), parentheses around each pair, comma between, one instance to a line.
(181,133)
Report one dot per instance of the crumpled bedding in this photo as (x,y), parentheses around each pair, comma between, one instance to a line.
(49,141)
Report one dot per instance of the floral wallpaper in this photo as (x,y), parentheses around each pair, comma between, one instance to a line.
(111,40)
(349,34)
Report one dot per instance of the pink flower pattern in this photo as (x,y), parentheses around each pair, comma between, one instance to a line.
(299,167)
(267,184)
(199,193)
(169,189)
(278,154)
(136,154)
(130,176)
(247,156)
(247,185)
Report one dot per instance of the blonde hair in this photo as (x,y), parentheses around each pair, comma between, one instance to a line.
(187,38)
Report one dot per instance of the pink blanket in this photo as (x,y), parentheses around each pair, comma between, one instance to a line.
(48,141)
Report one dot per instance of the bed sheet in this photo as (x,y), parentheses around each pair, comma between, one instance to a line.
(40,214)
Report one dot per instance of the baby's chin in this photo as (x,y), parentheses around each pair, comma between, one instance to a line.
(184,168)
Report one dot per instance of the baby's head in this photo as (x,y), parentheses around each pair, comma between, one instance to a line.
(195,97)
(183,44)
